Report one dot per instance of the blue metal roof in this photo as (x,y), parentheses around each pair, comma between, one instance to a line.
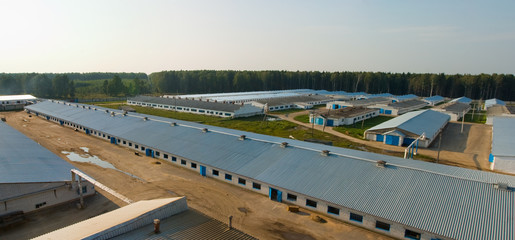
(462,100)
(435,98)
(494,101)
(449,201)
(25,161)
(503,136)
(417,122)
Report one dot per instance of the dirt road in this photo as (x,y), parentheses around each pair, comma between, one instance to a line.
(253,213)
(469,149)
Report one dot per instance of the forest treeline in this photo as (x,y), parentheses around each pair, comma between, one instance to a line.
(482,86)
(84,85)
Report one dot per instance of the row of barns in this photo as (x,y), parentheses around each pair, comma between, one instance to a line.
(397,197)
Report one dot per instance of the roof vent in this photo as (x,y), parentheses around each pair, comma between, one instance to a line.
(145,118)
(112,114)
(95,109)
(204,130)
(501,186)
(381,163)
(325,153)
(107,111)
(284,144)
(173,124)
(76,105)
(242,137)
(89,107)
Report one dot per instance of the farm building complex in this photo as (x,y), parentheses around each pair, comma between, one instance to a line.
(344,116)
(502,157)
(35,179)
(403,130)
(397,197)
(243,97)
(15,102)
(197,106)
(138,221)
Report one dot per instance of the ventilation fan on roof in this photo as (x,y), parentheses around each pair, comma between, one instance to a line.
(501,186)
(325,153)
(381,163)
(242,137)
(284,144)
(145,118)
(204,130)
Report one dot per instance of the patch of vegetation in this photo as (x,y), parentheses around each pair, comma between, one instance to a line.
(302,118)
(358,129)
(479,117)
(287,111)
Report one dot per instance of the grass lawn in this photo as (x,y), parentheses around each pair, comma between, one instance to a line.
(293,110)
(302,118)
(479,117)
(357,131)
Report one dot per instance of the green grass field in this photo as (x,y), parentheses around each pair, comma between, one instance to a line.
(479,117)
(302,118)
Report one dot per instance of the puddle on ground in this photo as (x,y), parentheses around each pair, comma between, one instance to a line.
(92,159)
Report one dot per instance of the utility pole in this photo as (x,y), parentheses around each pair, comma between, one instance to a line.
(462,120)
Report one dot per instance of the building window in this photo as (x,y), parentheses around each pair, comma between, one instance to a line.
(291,197)
(215,172)
(158,153)
(130,144)
(108,137)
(228,177)
(256,186)
(142,148)
(411,234)
(136,146)
(174,159)
(183,162)
(333,210)
(40,204)
(311,203)
(165,156)
(242,181)
(124,142)
(193,165)
(383,225)
(356,217)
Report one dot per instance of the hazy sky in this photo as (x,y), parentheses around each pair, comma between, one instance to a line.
(147,36)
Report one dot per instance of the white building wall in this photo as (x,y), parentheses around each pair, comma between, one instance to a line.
(36,196)
(504,164)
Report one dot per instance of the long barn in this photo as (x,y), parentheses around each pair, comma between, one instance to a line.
(397,197)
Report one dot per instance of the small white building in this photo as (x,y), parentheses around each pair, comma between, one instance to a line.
(398,108)
(32,177)
(502,157)
(358,103)
(205,107)
(345,116)
(15,102)
(403,130)
(296,102)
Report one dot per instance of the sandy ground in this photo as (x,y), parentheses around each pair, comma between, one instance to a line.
(253,213)
(469,149)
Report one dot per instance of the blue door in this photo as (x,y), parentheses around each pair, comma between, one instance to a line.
(389,112)
(47,118)
(491,158)
(392,140)
(320,121)
(335,106)
(379,137)
(407,141)
(202,170)
(87,131)
(61,122)
(149,152)
(113,140)
(330,122)
(381,110)
(275,195)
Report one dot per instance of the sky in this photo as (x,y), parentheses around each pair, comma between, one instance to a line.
(449,36)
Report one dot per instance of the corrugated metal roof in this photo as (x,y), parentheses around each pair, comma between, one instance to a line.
(417,122)
(17,165)
(407,104)
(462,100)
(368,101)
(448,201)
(456,107)
(435,98)
(503,136)
(16,97)
(494,101)
(217,106)
(293,99)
